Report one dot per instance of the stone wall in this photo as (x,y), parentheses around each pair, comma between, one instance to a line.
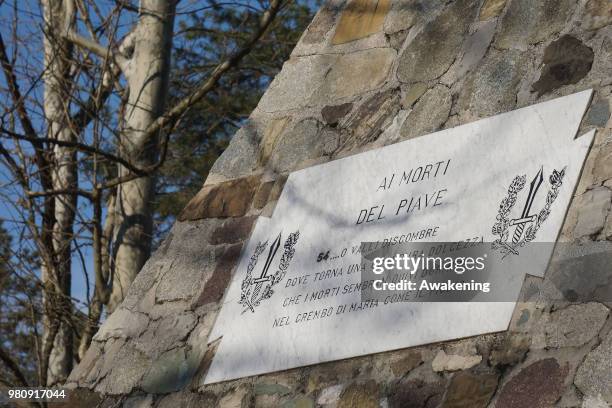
(359,71)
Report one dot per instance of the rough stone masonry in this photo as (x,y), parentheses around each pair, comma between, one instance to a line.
(361,67)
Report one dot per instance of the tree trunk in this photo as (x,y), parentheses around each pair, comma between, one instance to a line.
(58,16)
(147,75)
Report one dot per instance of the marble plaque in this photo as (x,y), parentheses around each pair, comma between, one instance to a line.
(294,299)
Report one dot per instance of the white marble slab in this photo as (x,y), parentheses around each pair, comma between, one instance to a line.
(470,170)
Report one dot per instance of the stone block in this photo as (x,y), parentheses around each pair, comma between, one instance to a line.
(334,113)
(412,94)
(495,83)
(594,206)
(355,73)
(406,363)
(453,362)
(599,113)
(300,143)
(473,50)
(597,14)
(511,350)
(469,390)
(566,61)
(322,23)
(593,375)
(295,85)
(366,123)
(124,369)
(171,372)
(537,386)
(433,50)
(273,131)
(416,393)
(529,22)
(330,395)
(122,323)
(262,194)
(359,19)
(240,397)
(240,157)
(234,230)
(228,199)
(429,113)
(575,325)
(360,395)
(299,402)
(491,9)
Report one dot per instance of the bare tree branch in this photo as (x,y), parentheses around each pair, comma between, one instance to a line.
(96,48)
(185,104)
(13,367)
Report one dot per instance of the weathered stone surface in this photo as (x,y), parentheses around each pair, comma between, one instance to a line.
(187,399)
(183,277)
(359,19)
(228,199)
(468,390)
(404,14)
(594,207)
(270,389)
(297,145)
(330,395)
(262,194)
(322,23)
(599,113)
(80,397)
(215,286)
(356,73)
(167,333)
(273,131)
(594,402)
(237,398)
(510,351)
(299,402)
(367,122)
(566,61)
(537,386)
(240,156)
(360,395)
(330,139)
(334,113)
(495,82)
(593,375)
(89,360)
(123,370)
(575,325)
(491,9)
(294,86)
(170,372)
(416,394)
(597,14)
(429,114)
(453,362)
(139,401)
(234,229)
(122,323)
(432,52)
(529,22)
(407,363)
(473,50)
(412,94)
